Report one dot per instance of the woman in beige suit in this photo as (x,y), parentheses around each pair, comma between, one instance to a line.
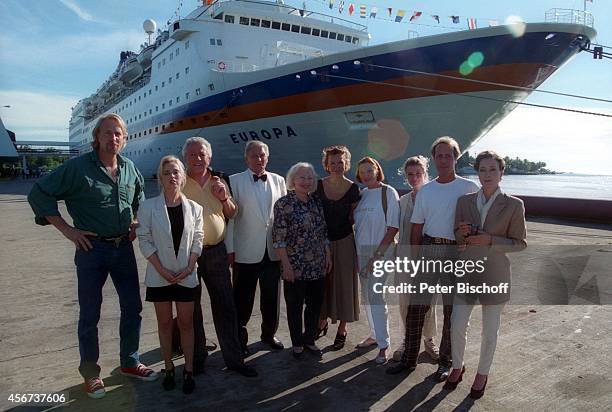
(488,224)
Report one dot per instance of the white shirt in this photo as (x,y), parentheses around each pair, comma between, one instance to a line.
(436,203)
(370,227)
(263,193)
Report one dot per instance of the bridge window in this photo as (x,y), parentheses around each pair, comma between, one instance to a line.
(276,25)
(265,24)
(316,32)
(332,35)
(340,37)
(244,21)
(229,19)
(255,22)
(212,42)
(324,33)
(348,39)
(306,30)
(219,43)
(295,28)
(355,40)
(286,27)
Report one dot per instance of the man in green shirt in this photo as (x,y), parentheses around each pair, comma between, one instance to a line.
(102,190)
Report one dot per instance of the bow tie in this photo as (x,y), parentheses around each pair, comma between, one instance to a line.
(263,177)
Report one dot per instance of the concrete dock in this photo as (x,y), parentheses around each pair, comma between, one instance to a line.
(549,357)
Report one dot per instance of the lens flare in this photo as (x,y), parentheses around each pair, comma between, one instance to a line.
(516,25)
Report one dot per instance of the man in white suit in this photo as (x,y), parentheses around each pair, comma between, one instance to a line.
(250,242)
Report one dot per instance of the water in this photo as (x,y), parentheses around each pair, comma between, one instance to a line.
(560,185)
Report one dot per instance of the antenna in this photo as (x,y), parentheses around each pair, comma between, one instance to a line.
(149,27)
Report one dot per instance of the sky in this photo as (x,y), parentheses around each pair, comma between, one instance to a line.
(54,52)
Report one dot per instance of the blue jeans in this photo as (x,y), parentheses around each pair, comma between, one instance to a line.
(93,267)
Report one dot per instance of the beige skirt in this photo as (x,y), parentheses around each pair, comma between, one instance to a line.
(341,286)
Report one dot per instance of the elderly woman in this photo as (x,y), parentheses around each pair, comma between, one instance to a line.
(170,238)
(300,238)
(489,224)
(339,197)
(376,224)
(416,175)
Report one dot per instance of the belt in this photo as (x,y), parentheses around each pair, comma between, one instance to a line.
(110,239)
(439,240)
(212,246)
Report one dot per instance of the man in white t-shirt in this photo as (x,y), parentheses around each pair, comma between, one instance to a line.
(433,221)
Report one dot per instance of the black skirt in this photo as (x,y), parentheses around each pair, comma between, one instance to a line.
(172,293)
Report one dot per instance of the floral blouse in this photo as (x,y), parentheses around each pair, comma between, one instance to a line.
(300,228)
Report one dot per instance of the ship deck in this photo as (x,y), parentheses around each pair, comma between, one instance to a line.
(548,358)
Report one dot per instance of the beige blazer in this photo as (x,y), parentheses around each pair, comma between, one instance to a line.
(505,222)
(155,236)
(249,232)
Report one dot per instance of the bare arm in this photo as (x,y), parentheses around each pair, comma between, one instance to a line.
(287,272)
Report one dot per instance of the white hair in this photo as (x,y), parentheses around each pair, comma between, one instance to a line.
(293,171)
(255,144)
(199,140)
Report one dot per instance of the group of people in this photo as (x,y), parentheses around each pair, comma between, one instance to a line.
(322,237)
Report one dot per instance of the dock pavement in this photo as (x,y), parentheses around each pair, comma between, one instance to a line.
(549,357)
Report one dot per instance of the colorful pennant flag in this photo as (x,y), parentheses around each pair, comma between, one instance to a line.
(331,4)
(341,6)
(472,23)
(362,11)
(400,15)
(455,19)
(351,9)
(390,10)
(415,15)
(373,12)
(436,18)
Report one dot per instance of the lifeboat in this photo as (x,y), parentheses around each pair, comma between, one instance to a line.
(131,71)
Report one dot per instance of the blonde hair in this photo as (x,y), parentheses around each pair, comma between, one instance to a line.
(95,144)
(380,175)
(336,150)
(419,160)
(293,171)
(449,141)
(171,159)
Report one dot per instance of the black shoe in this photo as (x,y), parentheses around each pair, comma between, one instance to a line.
(297,354)
(339,341)
(442,373)
(188,382)
(477,393)
(451,386)
(313,350)
(274,343)
(244,370)
(198,367)
(246,352)
(322,331)
(400,367)
(168,383)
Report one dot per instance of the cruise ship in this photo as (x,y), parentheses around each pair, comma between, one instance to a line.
(239,70)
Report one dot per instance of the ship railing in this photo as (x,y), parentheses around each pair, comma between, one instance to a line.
(569,16)
(214,8)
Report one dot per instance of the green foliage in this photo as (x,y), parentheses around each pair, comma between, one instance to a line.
(513,166)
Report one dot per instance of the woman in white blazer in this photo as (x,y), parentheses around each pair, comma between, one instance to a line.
(170,237)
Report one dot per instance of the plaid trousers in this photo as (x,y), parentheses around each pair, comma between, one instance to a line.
(415,317)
